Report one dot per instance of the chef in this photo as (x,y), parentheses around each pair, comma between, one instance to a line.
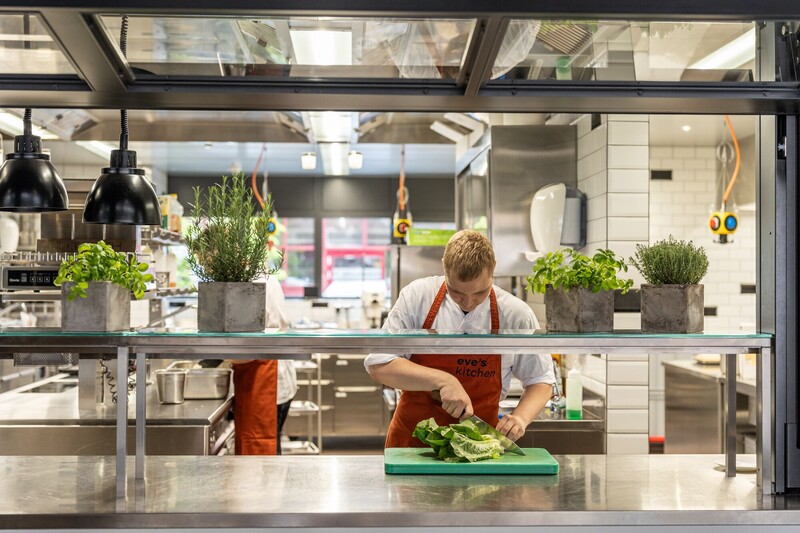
(463,300)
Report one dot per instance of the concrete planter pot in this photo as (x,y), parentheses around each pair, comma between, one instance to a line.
(579,310)
(672,308)
(231,307)
(107,307)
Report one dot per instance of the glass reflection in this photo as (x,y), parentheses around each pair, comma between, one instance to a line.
(296,47)
(26,47)
(627,51)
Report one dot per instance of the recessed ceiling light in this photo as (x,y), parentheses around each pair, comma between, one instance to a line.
(686,127)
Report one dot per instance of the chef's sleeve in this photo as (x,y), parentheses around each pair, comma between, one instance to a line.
(399,319)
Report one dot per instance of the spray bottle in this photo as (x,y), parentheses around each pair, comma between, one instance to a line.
(574,394)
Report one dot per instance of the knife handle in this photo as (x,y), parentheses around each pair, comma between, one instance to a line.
(436,396)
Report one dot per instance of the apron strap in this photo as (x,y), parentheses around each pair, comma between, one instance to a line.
(494,311)
(437,303)
(434,310)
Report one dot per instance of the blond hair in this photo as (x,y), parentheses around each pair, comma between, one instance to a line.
(467,255)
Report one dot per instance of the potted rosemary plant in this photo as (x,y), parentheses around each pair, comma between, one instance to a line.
(672,298)
(228,250)
(578,290)
(96,286)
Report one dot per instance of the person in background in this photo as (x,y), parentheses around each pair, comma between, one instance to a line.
(464,300)
(260,385)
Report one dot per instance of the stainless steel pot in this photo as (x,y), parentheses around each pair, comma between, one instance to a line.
(171,384)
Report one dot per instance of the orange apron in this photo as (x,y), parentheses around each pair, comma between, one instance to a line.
(480,376)
(255,411)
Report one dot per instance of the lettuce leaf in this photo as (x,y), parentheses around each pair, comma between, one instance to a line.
(460,442)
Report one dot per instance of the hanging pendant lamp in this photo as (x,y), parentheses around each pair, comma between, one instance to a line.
(122,194)
(29,183)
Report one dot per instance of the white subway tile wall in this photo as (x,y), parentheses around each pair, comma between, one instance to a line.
(627,397)
(681,207)
(628,180)
(627,421)
(613,171)
(622,444)
(627,373)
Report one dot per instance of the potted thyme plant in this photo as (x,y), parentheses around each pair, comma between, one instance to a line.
(96,287)
(672,299)
(578,290)
(228,243)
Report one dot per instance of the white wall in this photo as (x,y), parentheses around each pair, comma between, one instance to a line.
(681,207)
(613,160)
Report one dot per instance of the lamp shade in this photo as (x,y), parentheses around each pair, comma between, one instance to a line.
(29,183)
(122,195)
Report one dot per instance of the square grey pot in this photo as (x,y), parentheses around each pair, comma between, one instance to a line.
(672,308)
(579,310)
(107,307)
(231,307)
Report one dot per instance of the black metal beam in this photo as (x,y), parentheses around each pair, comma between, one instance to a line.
(630,9)
(535,97)
(490,46)
(87,52)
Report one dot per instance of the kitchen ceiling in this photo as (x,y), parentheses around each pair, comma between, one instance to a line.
(213,143)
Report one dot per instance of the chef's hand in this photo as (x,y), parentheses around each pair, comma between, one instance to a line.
(455,400)
(511,426)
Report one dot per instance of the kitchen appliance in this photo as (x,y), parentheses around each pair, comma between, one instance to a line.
(423,461)
(35,278)
(407,263)
(497,178)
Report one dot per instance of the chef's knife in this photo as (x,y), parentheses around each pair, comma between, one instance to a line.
(485,428)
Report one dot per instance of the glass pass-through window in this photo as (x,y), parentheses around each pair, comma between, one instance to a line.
(327,47)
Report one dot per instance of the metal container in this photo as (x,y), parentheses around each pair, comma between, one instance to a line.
(207,383)
(171,384)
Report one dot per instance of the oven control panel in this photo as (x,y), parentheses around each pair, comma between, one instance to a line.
(28,278)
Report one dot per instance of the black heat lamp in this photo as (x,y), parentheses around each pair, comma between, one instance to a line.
(29,183)
(122,195)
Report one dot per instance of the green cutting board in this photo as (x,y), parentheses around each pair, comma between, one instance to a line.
(422,461)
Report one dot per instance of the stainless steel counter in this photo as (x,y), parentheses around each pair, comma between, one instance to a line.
(353,491)
(52,423)
(61,408)
(164,343)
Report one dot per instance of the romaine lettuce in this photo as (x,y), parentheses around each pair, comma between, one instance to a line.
(460,442)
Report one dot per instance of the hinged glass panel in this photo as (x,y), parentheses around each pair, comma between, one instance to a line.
(26,47)
(593,50)
(314,47)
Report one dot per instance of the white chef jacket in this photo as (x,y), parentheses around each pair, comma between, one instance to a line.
(415,301)
(276,318)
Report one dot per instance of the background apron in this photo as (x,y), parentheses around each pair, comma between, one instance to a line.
(255,409)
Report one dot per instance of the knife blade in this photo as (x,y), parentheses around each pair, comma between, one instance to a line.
(508,444)
(485,428)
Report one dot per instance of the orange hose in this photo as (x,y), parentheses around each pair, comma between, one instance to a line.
(255,174)
(738,162)
(402,190)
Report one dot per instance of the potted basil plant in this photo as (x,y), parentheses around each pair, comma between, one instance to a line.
(672,298)
(228,243)
(96,287)
(578,290)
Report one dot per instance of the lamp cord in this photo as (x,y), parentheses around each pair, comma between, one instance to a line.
(123,114)
(27,129)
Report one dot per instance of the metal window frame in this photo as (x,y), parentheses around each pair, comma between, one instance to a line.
(105,83)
